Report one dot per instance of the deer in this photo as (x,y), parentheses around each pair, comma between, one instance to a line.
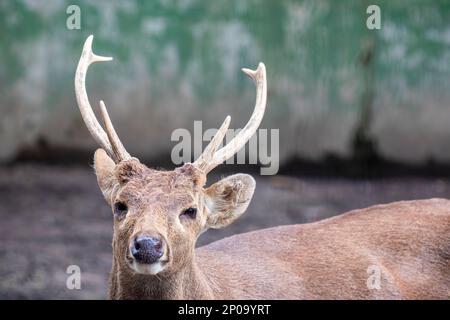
(399,250)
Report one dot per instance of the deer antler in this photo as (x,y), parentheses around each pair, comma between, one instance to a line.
(108,140)
(211,157)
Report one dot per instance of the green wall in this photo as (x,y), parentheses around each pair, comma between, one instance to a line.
(331,80)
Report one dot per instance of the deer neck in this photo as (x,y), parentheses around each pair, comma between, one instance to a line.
(189,283)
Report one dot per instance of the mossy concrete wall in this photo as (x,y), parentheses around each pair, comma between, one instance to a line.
(330,78)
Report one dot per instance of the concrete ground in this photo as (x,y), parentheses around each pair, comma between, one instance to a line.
(52,217)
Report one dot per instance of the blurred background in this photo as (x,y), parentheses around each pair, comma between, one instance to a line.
(363,115)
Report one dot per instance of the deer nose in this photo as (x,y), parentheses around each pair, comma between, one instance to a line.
(147,249)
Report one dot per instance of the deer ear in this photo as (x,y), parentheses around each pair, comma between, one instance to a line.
(104,169)
(227,199)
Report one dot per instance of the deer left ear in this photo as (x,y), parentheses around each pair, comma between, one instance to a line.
(104,169)
(227,199)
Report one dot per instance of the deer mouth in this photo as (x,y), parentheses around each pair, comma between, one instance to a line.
(148,269)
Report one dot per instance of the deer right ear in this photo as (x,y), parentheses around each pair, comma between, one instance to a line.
(227,199)
(104,169)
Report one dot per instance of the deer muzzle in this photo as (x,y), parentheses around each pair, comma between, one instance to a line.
(148,253)
(147,249)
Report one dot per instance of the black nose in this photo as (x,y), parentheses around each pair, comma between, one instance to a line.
(147,249)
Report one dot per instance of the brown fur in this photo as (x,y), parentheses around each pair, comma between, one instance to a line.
(408,241)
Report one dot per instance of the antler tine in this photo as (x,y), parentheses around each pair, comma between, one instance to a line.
(110,142)
(259,77)
(117,146)
(208,154)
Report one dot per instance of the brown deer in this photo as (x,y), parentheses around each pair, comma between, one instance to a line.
(158,216)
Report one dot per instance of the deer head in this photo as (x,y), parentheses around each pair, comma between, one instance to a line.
(158,215)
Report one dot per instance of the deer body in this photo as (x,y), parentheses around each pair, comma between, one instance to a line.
(409,241)
(158,216)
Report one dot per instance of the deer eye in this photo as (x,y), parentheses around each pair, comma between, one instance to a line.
(120,209)
(190,213)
